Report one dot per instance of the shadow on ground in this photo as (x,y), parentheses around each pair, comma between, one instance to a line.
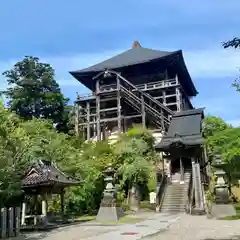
(234,237)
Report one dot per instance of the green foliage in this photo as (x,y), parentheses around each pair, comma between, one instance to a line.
(33,92)
(134,159)
(225,140)
(213,125)
(30,135)
(39,124)
(152,182)
(234,43)
(142,133)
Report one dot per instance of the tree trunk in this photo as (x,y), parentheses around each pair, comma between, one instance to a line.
(134,198)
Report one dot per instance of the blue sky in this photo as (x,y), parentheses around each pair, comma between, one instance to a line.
(74,34)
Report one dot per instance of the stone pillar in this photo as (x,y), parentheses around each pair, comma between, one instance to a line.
(197,186)
(44,209)
(11,222)
(181,171)
(3,222)
(17,220)
(23,213)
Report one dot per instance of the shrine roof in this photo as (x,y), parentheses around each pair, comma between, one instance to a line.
(134,56)
(130,57)
(185,128)
(46,173)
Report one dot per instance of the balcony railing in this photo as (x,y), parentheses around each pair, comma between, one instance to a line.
(144,87)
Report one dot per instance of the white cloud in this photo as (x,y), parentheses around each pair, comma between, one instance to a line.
(234,122)
(213,62)
(201,63)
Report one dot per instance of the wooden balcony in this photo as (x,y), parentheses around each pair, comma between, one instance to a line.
(143,87)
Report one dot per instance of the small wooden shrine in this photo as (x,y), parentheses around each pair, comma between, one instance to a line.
(43,179)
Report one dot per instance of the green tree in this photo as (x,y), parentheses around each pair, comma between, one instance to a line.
(227,143)
(234,43)
(34,92)
(213,125)
(12,150)
(94,157)
(134,159)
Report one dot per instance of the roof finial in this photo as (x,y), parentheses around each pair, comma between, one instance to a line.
(136,44)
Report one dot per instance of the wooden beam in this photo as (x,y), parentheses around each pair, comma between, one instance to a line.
(178,96)
(119,106)
(88,120)
(76,119)
(98,110)
(143,111)
(109,109)
(115,119)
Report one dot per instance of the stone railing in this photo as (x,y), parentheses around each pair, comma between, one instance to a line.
(10,222)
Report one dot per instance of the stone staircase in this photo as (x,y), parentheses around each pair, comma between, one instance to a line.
(175,196)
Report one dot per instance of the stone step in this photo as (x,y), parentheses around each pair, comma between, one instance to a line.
(175,193)
(173,208)
(171,205)
(173,211)
(178,201)
(174,197)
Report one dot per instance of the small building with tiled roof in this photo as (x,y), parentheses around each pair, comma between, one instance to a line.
(44,178)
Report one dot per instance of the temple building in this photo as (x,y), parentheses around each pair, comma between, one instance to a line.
(148,87)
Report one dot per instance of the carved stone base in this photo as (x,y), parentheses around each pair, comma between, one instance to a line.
(109,213)
(198,211)
(109,209)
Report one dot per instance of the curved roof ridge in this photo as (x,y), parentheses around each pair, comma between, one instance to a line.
(129,57)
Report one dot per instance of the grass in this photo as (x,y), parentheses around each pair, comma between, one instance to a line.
(237,216)
(86,218)
(126,219)
(129,217)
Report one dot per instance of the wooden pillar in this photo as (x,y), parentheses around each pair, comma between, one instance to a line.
(98,110)
(164,97)
(119,106)
(62,201)
(143,111)
(164,103)
(76,119)
(88,120)
(23,213)
(178,98)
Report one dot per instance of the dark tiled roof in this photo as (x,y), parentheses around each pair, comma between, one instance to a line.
(45,173)
(137,56)
(130,57)
(185,128)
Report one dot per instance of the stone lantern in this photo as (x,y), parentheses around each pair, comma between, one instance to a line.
(109,209)
(221,188)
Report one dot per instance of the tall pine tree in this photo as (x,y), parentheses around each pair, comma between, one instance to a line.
(34,92)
